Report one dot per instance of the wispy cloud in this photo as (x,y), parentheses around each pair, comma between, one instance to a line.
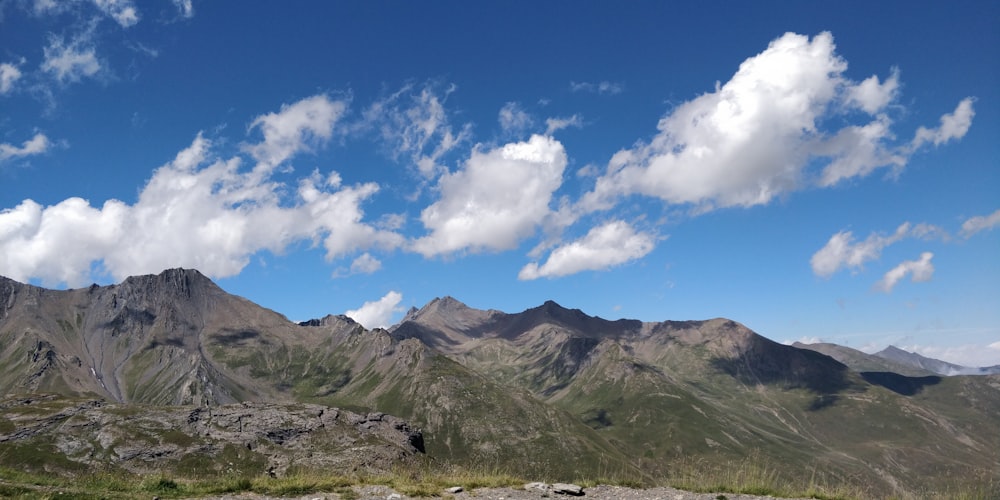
(363,264)
(71,62)
(36,145)
(603,87)
(953,126)
(514,119)
(185,8)
(9,75)
(123,12)
(553,125)
(842,251)
(980,223)
(297,127)
(919,270)
(605,246)
(414,123)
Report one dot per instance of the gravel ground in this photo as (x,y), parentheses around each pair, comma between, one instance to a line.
(600,492)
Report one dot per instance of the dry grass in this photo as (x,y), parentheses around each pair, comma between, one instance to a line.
(752,475)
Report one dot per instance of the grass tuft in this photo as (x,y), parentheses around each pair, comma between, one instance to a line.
(754,475)
(160,484)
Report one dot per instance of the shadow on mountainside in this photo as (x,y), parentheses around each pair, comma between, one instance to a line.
(900,384)
(768,363)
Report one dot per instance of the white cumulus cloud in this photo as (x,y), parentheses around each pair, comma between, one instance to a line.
(763,132)
(980,223)
(295,128)
(500,197)
(378,313)
(603,247)
(196,211)
(919,270)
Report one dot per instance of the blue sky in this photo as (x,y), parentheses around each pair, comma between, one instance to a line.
(816,172)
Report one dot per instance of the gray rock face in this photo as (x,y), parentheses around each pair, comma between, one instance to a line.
(247,437)
(567,489)
(557,488)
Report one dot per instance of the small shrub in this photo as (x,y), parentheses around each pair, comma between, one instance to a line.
(347,493)
(160,484)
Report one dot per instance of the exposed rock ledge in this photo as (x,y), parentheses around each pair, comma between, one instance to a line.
(238,438)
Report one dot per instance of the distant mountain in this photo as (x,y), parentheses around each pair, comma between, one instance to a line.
(549,389)
(675,390)
(863,362)
(937,366)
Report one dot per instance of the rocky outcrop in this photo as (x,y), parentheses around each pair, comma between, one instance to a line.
(248,437)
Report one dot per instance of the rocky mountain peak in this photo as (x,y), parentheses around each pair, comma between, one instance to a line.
(893,350)
(573,319)
(330,320)
(180,280)
(446,303)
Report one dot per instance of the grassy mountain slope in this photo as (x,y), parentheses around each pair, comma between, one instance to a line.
(710,391)
(176,338)
(550,389)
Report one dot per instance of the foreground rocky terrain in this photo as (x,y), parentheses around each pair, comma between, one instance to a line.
(149,371)
(51,434)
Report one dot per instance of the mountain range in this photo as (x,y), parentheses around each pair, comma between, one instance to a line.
(549,389)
